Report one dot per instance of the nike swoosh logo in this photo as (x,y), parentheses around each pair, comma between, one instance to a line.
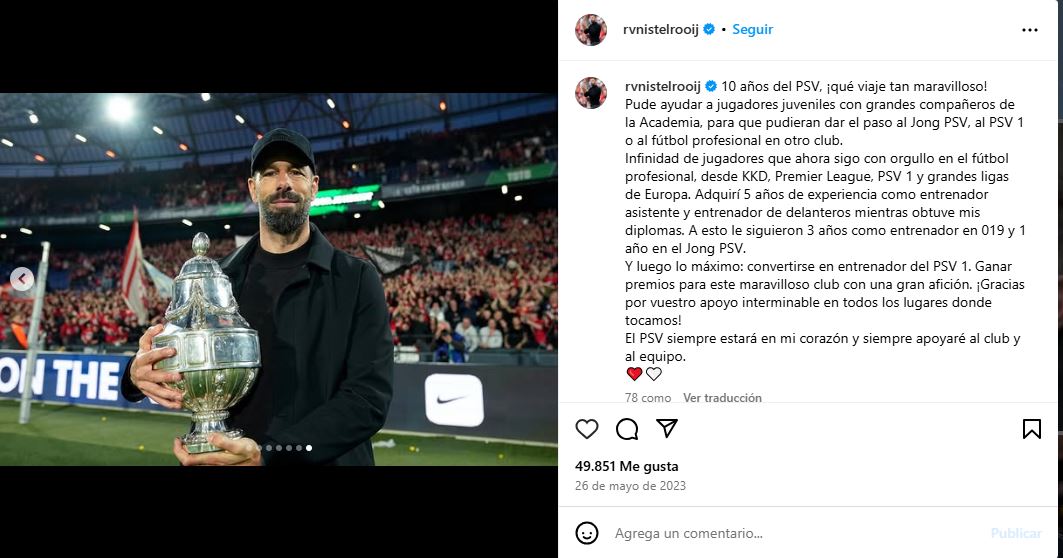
(441,401)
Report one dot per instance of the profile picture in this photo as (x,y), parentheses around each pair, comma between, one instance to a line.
(590,30)
(590,92)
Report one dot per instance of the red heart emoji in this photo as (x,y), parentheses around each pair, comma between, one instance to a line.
(634,373)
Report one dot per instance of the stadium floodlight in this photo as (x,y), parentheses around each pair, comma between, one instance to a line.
(7,142)
(80,138)
(120,109)
(357,215)
(331,103)
(110,153)
(104,227)
(3,236)
(505,189)
(239,119)
(204,96)
(157,130)
(380,204)
(182,147)
(227,227)
(24,230)
(346,124)
(187,222)
(442,105)
(518,198)
(39,158)
(33,118)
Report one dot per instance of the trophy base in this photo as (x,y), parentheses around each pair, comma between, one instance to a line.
(198,444)
(205,424)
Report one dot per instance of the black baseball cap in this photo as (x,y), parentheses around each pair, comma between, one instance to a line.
(282,140)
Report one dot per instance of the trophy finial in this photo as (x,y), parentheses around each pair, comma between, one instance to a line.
(200,244)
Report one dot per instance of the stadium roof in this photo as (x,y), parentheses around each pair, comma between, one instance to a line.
(67,134)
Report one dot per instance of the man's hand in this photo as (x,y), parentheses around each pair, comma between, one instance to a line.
(241,451)
(149,381)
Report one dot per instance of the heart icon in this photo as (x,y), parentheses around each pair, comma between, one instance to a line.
(654,372)
(586,427)
(634,373)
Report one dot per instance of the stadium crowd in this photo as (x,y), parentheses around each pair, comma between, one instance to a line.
(483,282)
(418,157)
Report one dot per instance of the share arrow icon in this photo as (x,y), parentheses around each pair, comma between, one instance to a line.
(667,425)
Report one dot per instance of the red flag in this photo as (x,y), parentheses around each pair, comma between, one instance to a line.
(8,292)
(133,286)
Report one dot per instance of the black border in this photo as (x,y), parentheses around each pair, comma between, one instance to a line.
(441,47)
(449,510)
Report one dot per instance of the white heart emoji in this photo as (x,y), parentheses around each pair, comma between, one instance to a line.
(587,427)
(654,372)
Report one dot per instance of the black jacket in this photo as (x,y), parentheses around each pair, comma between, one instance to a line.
(594,95)
(335,318)
(593,32)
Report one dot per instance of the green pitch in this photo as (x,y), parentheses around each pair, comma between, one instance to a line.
(67,435)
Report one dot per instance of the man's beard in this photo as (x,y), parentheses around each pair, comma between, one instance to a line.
(285,221)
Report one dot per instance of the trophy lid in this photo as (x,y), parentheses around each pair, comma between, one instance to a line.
(202,294)
(200,264)
(217,353)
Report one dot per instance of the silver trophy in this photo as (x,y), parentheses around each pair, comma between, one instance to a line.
(217,352)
